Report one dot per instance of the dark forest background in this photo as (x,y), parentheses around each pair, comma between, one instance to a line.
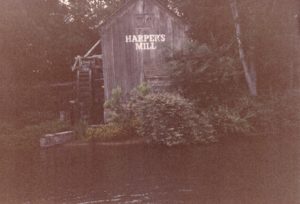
(40,38)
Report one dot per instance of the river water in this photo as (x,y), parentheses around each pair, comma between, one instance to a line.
(248,171)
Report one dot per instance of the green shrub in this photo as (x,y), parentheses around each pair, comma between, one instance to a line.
(231,121)
(140,91)
(279,113)
(170,119)
(114,102)
(111,131)
(121,122)
(116,108)
(206,75)
(263,114)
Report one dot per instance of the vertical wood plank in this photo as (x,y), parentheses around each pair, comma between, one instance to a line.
(127,67)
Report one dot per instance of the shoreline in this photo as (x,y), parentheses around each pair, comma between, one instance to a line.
(255,137)
(78,143)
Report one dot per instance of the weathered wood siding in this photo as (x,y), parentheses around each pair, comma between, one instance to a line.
(123,64)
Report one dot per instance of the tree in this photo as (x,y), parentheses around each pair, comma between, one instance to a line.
(249,70)
(37,46)
(270,36)
(27,33)
(271,28)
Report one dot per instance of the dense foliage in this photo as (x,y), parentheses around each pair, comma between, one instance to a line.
(170,119)
(269,35)
(237,118)
(40,38)
(278,113)
(114,131)
(163,118)
(121,123)
(206,75)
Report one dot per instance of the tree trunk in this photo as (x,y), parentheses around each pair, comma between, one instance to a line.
(249,71)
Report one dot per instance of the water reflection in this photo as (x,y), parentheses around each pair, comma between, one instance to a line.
(248,173)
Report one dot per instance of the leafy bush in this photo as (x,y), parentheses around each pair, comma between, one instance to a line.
(140,91)
(117,111)
(279,113)
(231,121)
(170,119)
(111,131)
(263,114)
(120,111)
(206,75)
(121,123)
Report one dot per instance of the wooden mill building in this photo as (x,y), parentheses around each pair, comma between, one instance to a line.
(136,40)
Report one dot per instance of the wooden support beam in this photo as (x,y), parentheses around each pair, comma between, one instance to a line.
(91,50)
